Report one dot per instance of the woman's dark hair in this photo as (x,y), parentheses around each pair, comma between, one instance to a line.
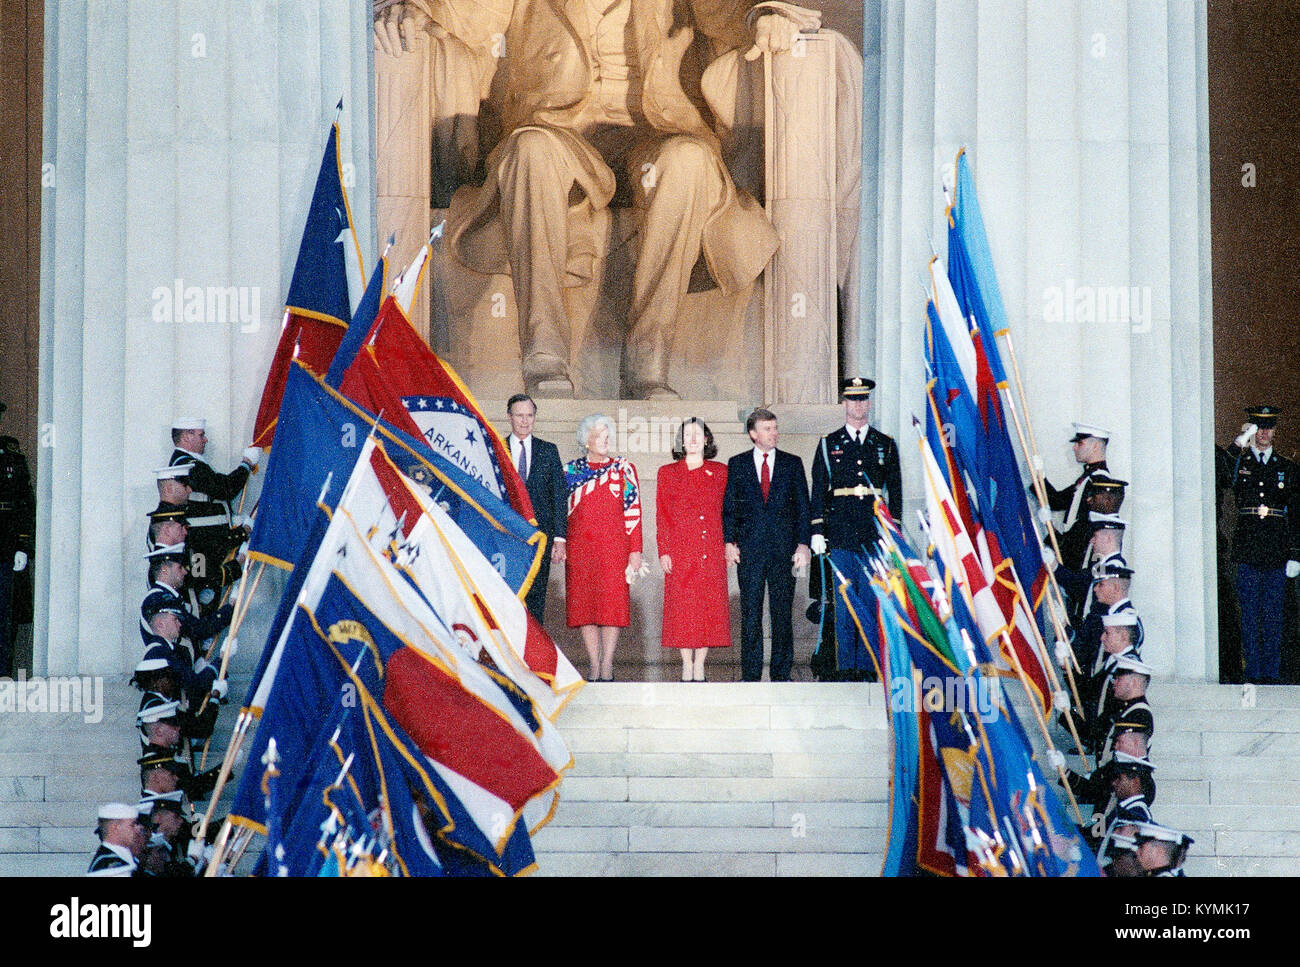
(710,448)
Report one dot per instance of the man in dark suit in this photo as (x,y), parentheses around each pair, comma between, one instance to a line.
(538,463)
(765,525)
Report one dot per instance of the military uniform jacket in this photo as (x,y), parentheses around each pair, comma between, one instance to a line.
(1070,499)
(112,860)
(1268,507)
(847,520)
(206,483)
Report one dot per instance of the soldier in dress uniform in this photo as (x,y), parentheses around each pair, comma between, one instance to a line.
(1161,851)
(122,837)
(168,524)
(211,542)
(852,468)
(1105,541)
(1132,793)
(1102,494)
(166,576)
(211,520)
(1266,547)
(1090,450)
(155,674)
(171,835)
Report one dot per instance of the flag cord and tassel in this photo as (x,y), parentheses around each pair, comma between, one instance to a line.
(242,602)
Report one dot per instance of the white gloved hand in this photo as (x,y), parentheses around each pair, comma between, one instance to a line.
(230,648)
(1248,431)
(201,666)
(1061,700)
(252,456)
(1044,515)
(632,573)
(1055,759)
(220,689)
(1062,654)
(1038,463)
(20,560)
(1292,568)
(199,852)
(818,544)
(1049,558)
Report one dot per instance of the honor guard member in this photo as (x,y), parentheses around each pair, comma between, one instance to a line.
(167,770)
(852,468)
(166,577)
(1132,793)
(1161,851)
(209,537)
(172,833)
(155,675)
(1102,494)
(161,636)
(122,837)
(1105,541)
(1266,546)
(1090,450)
(209,503)
(168,525)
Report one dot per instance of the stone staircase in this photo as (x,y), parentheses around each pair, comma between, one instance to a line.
(721,779)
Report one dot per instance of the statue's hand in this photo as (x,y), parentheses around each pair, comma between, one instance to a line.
(773,33)
(397,26)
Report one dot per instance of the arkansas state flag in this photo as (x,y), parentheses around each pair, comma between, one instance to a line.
(318,308)
(441,407)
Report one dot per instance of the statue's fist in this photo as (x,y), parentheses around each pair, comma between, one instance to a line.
(398,24)
(773,33)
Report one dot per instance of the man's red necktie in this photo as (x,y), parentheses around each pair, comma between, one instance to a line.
(765,479)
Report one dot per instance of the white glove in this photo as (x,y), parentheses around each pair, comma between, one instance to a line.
(1038,463)
(1049,558)
(252,455)
(1045,515)
(632,573)
(1061,700)
(20,560)
(1247,434)
(197,850)
(220,689)
(230,648)
(817,544)
(201,666)
(1292,568)
(1062,654)
(1055,759)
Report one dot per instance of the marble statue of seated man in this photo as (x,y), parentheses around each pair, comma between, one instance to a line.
(600,99)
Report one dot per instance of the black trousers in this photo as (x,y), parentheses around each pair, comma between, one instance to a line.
(772,574)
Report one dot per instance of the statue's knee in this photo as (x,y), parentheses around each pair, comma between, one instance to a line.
(686,156)
(527,147)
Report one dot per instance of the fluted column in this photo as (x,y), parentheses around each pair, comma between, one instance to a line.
(185,139)
(1085,126)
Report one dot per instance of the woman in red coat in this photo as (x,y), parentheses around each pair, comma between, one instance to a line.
(604,543)
(688,504)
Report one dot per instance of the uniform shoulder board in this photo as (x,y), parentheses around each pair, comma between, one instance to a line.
(107,863)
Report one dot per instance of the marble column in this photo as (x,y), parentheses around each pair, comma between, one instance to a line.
(1086,127)
(185,139)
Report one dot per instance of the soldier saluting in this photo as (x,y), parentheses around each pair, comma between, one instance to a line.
(1266,546)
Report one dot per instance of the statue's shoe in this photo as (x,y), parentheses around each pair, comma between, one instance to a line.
(652,391)
(547,376)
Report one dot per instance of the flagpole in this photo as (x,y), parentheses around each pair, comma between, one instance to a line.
(1055,757)
(237,619)
(1030,450)
(227,764)
(218,848)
